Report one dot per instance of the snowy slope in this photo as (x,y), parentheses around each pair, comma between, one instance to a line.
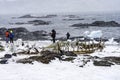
(59,70)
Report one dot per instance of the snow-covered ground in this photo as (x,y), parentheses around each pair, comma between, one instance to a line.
(59,70)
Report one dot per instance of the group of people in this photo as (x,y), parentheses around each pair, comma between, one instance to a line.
(53,35)
(9,36)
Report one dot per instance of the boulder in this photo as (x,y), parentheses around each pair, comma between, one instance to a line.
(69,53)
(113,59)
(102,63)
(24,61)
(14,54)
(3,61)
(7,56)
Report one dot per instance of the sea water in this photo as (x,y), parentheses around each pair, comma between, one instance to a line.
(63,26)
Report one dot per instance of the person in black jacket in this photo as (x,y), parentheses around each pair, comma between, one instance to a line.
(53,35)
(68,35)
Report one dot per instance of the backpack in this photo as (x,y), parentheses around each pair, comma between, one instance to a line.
(11,35)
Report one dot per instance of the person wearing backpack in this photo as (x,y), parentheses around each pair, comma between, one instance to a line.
(7,36)
(11,36)
(53,35)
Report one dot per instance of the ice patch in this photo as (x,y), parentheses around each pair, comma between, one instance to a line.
(94,34)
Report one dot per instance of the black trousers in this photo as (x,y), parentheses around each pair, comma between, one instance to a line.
(11,40)
(53,40)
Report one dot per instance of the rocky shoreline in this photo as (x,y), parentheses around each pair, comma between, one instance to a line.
(23,33)
(33,22)
(46,57)
(98,24)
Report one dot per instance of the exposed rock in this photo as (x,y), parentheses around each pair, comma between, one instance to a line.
(115,60)
(81,25)
(106,61)
(24,34)
(2,48)
(3,61)
(24,61)
(49,16)
(73,19)
(7,56)
(30,16)
(46,57)
(102,63)
(102,23)
(14,54)
(71,16)
(99,24)
(69,53)
(68,59)
(39,22)
(34,22)
(19,30)
(19,23)
(117,40)
(27,16)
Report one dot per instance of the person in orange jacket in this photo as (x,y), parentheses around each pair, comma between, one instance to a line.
(7,36)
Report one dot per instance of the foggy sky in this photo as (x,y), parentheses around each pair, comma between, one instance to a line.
(56,6)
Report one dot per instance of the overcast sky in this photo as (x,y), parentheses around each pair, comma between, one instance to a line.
(54,6)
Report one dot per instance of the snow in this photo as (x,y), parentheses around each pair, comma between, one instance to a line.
(94,34)
(59,70)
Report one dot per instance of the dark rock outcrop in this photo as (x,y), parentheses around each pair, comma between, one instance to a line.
(7,56)
(68,53)
(14,54)
(34,22)
(71,16)
(99,24)
(115,60)
(73,19)
(39,22)
(102,63)
(25,61)
(46,57)
(30,16)
(49,16)
(107,61)
(3,61)
(24,34)
(27,16)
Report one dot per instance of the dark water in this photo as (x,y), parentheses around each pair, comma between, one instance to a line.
(63,26)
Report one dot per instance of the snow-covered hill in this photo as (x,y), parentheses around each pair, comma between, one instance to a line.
(56,69)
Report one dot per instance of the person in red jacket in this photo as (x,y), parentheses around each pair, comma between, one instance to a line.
(7,36)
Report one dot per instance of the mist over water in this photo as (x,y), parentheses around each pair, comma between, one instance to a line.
(63,26)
